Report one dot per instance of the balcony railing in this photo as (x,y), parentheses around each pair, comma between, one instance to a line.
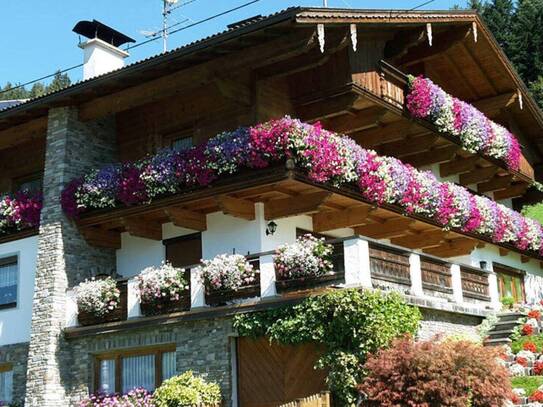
(358,262)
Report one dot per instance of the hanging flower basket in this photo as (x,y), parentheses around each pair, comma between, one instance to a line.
(101,301)
(229,277)
(163,290)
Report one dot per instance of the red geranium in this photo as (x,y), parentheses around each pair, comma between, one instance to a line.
(538,367)
(534,314)
(530,346)
(515,399)
(522,361)
(527,330)
(537,396)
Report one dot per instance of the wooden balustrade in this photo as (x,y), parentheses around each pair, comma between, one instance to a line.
(389,264)
(316,400)
(475,283)
(436,275)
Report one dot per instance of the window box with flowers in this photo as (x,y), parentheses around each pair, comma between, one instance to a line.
(100,301)
(306,263)
(229,277)
(163,290)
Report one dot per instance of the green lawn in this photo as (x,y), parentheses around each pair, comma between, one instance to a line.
(528,383)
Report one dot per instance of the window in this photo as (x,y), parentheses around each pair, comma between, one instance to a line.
(182,143)
(31,184)
(8,282)
(123,371)
(510,282)
(6,383)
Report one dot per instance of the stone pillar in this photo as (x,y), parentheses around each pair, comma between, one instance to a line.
(415,273)
(64,257)
(456,278)
(357,263)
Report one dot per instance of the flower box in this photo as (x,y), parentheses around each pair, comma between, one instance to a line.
(302,283)
(166,306)
(119,313)
(221,297)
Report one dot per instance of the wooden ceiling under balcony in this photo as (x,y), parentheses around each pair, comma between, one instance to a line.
(284,193)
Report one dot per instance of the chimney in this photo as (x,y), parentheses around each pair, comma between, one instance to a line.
(101,51)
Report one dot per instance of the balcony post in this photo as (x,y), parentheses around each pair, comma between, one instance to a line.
(71,309)
(267,277)
(415,274)
(197,289)
(133,302)
(493,291)
(456,277)
(356,255)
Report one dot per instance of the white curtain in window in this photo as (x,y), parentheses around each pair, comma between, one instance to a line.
(8,283)
(168,365)
(6,386)
(107,376)
(138,371)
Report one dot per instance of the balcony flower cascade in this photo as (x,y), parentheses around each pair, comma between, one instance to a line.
(19,212)
(326,157)
(477,133)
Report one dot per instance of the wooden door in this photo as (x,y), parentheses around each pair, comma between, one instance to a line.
(271,374)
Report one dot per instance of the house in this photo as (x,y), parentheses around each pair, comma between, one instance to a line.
(345,68)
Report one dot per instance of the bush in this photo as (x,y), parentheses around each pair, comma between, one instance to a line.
(186,390)
(347,323)
(453,374)
(97,297)
(529,383)
(135,398)
(508,302)
(518,344)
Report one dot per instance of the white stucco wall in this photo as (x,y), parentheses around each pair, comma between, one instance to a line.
(15,322)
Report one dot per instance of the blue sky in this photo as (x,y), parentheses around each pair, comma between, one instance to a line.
(36,36)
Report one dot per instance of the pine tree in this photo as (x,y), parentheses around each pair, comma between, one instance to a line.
(60,81)
(498,15)
(38,89)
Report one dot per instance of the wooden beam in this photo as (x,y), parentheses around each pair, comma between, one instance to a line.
(478,175)
(458,166)
(238,208)
(524,259)
(493,105)
(362,119)
(453,248)
(463,79)
(347,218)
(140,227)
(234,91)
(390,228)
(511,192)
(409,145)
(298,205)
(420,240)
(98,237)
(503,252)
(435,156)
(187,219)
(327,107)
(16,135)
(496,183)
(195,76)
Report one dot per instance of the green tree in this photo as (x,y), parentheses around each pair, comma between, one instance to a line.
(536,88)
(38,89)
(498,15)
(60,81)
(10,92)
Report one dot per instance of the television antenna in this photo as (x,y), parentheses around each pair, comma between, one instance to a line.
(167,8)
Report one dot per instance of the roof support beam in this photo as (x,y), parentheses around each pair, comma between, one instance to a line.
(98,237)
(238,208)
(437,155)
(420,240)
(458,166)
(452,248)
(350,217)
(492,106)
(478,175)
(140,227)
(184,218)
(362,119)
(298,205)
(390,228)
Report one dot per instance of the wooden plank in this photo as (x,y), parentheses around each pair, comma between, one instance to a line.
(297,205)
(99,237)
(350,217)
(421,240)
(187,219)
(383,134)
(390,228)
(458,166)
(511,192)
(493,105)
(238,208)
(478,175)
(503,252)
(22,133)
(140,227)
(434,156)
(453,248)
(498,182)
(411,145)
(330,106)
(362,119)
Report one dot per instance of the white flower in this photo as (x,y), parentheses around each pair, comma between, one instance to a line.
(519,392)
(97,297)
(517,370)
(160,282)
(533,322)
(227,272)
(308,256)
(526,354)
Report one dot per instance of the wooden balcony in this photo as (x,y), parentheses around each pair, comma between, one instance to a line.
(360,262)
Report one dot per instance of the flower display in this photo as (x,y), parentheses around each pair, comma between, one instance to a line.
(522,361)
(530,346)
(137,397)
(307,257)
(19,211)
(326,157)
(534,314)
(476,132)
(538,367)
(227,272)
(536,396)
(527,330)
(517,370)
(97,297)
(161,284)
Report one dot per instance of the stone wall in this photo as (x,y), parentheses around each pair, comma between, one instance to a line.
(17,356)
(201,346)
(64,258)
(437,322)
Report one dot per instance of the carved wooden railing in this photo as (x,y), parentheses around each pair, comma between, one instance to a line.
(316,400)
(389,264)
(436,275)
(475,283)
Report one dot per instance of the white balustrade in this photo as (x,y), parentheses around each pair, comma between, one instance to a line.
(197,289)
(71,309)
(267,277)
(456,277)
(415,273)
(132,301)
(356,256)
(493,291)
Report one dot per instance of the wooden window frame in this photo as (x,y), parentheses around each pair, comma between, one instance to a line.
(170,138)
(19,181)
(512,272)
(118,356)
(5,261)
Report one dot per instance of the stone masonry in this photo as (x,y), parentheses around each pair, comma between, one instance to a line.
(64,258)
(16,355)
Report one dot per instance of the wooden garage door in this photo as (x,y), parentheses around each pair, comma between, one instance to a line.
(269,375)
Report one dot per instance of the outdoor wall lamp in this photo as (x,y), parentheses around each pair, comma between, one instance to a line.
(271,228)
(482,264)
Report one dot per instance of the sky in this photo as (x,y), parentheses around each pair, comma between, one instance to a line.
(36,37)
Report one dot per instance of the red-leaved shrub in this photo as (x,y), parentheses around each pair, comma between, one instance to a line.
(431,373)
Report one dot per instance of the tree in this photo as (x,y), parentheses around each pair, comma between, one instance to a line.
(60,81)
(498,15)
(10,92)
